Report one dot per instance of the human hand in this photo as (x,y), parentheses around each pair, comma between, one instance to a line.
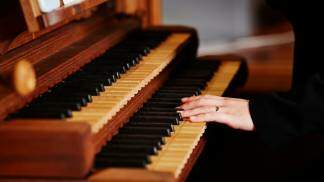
(230,111)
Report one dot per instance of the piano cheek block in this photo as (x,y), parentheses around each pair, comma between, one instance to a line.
(45,148)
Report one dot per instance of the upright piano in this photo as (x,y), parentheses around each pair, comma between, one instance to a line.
(88,91)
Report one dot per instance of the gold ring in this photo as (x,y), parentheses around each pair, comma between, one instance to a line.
(216,108)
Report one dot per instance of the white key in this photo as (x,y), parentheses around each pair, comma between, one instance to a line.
(71,2)
(48,5)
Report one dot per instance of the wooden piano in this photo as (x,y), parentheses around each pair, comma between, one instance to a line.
(88,91)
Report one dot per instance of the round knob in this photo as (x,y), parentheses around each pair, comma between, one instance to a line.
(24,77)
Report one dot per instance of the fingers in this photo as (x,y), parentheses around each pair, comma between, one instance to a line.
(233,112)
(202,101)
(211,116)
(218,117)
(189,99)
(192,98)
(199,110)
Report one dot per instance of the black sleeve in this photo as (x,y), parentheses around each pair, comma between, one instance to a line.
(279,118)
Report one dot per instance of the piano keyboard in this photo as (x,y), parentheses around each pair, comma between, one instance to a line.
(109,102)
(100,89)
(175,154)
(156,137)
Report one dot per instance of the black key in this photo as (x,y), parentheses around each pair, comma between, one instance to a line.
(161,104)
(150,113)
(179,91)
(158,99)
(64,94)
(81,101)
(162,119)
(84,85)
(113,75)
(125,60)
(104,155)
(162,109)
(56,105)
(172,95)
(188,87)
(155,143)
(108,162)
(90,79)
(165,100)
(158,113)
(129,57)
(85,91)
(150,150)
(107,68)
(102,75)
(33,113)
(145,130)
(152,124)
(140,137)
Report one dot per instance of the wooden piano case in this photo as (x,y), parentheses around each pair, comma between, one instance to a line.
(41,149)
(38,148)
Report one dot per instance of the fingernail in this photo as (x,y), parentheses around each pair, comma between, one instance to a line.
(184,99)
(193,117)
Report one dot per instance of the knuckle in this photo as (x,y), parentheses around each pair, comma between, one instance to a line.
(196,111)
(209,109)
(193,111)
(206,96)
(190,105)
(223,102)
(195,97)
(204,100)
(199,102)
(207,115)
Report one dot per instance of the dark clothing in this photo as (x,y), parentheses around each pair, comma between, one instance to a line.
(232,155)
(279,118)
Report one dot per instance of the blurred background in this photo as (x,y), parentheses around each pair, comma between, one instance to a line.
(249,28)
